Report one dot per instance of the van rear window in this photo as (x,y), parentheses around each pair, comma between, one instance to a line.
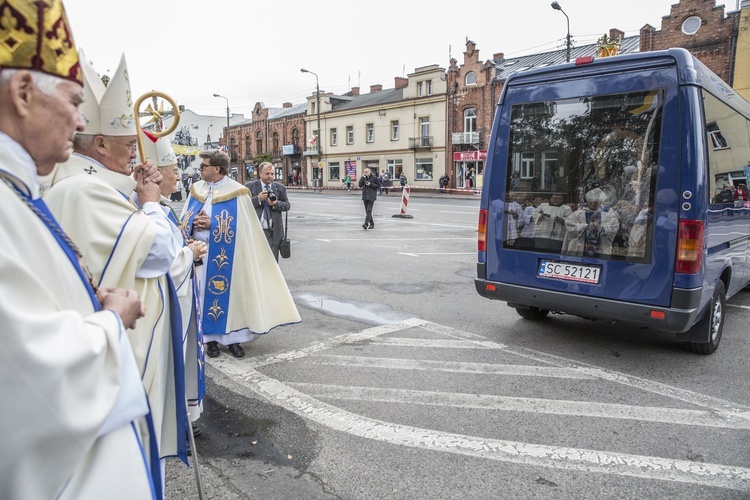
(581,176)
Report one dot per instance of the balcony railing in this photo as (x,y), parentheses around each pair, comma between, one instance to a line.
(310,152)
(465,138)
(420,142)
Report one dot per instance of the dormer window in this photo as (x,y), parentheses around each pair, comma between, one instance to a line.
(471,78)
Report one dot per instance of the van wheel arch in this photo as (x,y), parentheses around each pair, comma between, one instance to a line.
(707,331)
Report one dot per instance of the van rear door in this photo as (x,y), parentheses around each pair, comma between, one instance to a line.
(582,187)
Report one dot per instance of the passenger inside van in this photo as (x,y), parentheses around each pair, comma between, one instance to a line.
(591,230)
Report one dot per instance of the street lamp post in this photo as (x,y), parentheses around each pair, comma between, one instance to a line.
(556,6)
(227,136)
(317,108)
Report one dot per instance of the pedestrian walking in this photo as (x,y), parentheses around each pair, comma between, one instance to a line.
(369,184)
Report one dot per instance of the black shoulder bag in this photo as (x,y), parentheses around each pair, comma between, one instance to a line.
(285,248)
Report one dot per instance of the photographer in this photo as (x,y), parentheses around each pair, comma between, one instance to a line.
(370,185)
(269,200)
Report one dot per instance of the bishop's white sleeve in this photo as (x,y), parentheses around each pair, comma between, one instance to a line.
(167,244)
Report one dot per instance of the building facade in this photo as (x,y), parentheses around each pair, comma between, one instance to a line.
(278,132)
(436,121)
(701,27)
(398,130)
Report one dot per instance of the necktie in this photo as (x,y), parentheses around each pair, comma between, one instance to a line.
(267,210)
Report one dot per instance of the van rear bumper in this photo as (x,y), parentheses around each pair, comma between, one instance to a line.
(679,318)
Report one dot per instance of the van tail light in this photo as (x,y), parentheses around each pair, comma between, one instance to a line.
(689,247)
(482,231)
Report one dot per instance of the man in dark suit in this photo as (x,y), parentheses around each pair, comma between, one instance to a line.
(370,185)
(269,200)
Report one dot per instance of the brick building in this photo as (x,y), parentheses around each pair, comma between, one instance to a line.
(277,131)
(702,28)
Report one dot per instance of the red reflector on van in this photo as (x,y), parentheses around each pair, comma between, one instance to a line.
(658,314)
(490,287)
(689,247)
(584,60)
(482,231)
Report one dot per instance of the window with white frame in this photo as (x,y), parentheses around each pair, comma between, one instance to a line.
(394,130)
(395,167)
(370,128)
(471,78)
(334,137)
(424,131)
(428,87)
(423,169)
(470,120)
(550,171)
(333,171)
(420,89)
(718,141)
(350,134)
(527,165)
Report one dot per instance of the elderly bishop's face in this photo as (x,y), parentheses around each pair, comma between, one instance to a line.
(54,120)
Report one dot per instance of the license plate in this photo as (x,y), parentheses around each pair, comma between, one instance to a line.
(569,272)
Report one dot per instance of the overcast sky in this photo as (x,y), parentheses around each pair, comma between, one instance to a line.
(253,51)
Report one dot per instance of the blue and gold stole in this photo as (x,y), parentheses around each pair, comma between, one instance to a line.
(220,260)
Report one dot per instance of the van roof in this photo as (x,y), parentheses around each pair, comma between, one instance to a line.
(690,72)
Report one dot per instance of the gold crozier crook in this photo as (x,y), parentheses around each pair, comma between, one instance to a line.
(156,116)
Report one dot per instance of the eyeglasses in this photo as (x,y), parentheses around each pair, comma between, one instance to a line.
(203,165)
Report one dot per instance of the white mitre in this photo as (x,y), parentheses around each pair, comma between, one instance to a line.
(158,149)
(107,110)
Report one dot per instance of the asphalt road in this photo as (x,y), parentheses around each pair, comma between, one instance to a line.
(402,382)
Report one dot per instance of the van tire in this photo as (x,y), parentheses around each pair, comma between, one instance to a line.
(711,325)
(532,313)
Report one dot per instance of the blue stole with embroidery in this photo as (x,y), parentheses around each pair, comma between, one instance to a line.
(220,262)
(175,319)
(194,316)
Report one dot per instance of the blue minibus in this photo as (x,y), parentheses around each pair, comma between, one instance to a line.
(616,189)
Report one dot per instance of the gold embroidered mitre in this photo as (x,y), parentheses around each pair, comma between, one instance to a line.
(36,35)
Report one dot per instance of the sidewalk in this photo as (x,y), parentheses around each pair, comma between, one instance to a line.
(457,194)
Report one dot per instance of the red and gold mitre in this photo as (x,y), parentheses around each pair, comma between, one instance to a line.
(35,35)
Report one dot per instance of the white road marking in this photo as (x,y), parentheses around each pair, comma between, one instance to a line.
(448,366)
(720,414)
(739,306)
(583,460)
(672,416)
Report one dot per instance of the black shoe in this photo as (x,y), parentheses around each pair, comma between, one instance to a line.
(196,429)
(212,349)
(372,226)
(237,350)
(364,226)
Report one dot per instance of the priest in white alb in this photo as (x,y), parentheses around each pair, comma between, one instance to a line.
(241,290)
(73,401)
(127,244)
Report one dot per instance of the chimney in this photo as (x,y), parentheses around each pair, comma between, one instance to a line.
(401,82)
(355,91)
(500,56)
(614,34)
(376,88)
(287,105)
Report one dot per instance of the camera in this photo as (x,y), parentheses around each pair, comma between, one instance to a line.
(272,196)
